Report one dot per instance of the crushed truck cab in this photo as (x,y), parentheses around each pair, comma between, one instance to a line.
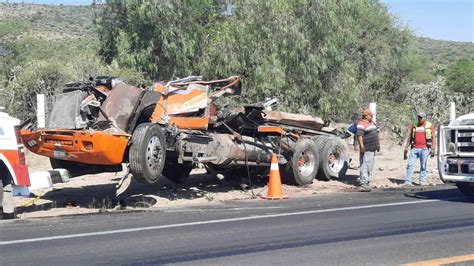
(171,127)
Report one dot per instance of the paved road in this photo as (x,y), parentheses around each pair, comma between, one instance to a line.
(381,227)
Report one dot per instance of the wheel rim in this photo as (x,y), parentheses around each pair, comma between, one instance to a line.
(306,162)
(154,154)
(335,161)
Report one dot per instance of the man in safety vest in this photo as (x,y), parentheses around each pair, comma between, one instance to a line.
(421,139)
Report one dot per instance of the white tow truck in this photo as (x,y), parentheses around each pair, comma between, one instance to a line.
(12,156)
(13,169)
(456,152)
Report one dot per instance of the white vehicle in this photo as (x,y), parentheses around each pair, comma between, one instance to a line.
(456,152)
(12,156)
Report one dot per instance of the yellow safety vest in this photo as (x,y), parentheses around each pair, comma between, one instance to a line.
(428,133)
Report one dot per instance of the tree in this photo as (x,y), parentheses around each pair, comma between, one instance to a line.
(320,57)
(460,77)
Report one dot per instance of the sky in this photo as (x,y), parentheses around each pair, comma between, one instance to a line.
(436,19)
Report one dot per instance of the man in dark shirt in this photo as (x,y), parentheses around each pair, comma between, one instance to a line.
(368,137)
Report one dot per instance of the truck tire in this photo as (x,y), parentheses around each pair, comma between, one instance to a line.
(320,142)
(334,157)
(147,153)
(466,188)
(303,165)
(177,172)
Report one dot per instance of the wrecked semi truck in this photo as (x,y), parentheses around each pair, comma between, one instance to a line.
(456,152)
(170,128)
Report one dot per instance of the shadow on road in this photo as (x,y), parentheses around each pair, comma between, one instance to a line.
(139,195)
(396,181)
(451,194)
(349,180)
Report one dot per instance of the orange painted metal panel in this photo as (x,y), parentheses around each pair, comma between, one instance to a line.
(91,147)
(190,122)
(270,129)
(180,102)
(174,105)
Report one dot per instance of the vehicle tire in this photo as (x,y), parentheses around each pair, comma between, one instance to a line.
(303,165)
(177,172)
(466,188)
(147,153)
(78,169)
(320,142)
(334,157)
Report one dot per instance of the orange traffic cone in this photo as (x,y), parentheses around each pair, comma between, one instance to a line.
(274,183)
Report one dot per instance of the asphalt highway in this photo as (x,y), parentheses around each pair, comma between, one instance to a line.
(380,227)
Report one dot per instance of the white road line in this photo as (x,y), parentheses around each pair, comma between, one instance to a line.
(157,227)
(223,209)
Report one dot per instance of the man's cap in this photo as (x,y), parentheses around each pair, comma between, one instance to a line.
(366,112)
(422,114)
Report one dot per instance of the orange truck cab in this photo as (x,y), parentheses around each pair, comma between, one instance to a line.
(12,156)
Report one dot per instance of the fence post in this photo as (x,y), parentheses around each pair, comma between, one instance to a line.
(373,109)
(40,110)
(452,112)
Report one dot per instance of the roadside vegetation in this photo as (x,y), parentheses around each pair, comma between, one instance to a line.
(325,58)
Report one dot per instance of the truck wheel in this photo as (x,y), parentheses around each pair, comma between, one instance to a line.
(466,188)
(304,163)
(177,172)
(147,153)
(334,157)
(320,142)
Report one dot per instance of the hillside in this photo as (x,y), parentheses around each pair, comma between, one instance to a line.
(45,46)
(63,22)
(35,32)
(47,22)
(42,47)
(444,52)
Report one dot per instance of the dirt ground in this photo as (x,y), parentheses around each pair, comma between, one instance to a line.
(96,193)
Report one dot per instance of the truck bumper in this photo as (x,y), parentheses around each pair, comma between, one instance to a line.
(458,178)
(84,146)
(455,169)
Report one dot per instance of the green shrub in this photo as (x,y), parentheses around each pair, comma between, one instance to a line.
(318,57)
(460,77)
